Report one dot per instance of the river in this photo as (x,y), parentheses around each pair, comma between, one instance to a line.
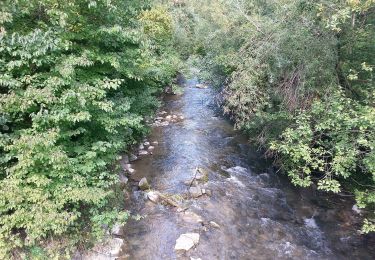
(259,215)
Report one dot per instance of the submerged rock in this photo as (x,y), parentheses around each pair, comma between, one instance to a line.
(143,184)
(187,241)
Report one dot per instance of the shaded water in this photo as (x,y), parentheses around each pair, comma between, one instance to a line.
(261,216)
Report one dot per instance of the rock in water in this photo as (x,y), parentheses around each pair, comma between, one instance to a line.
(123,179)
(125,159)
(142,152)
(143,184)
(187,241)
(214,224)
(192,217)
(195,192)
(132,158)
(202,86)
(110,249)
(117,230)
(153,196)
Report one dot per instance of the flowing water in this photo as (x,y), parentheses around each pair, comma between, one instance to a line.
(261,216)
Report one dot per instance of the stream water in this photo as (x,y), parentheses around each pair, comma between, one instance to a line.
(261,216)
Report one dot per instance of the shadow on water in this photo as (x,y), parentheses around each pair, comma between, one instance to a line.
(261,216)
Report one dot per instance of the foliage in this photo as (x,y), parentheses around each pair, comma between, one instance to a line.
(298,78)
(76,79)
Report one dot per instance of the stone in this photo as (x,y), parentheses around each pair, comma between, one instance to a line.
(191,183)
(153,196)
(117,230)
(168,117)
(192,217)
(182,117)
(125,159)
(142,152)
(155,143)
(174,116)
(187,241)
(159,118)
(132,157)
(109,250)
(146,143)
(131,171)
(214,224)
(143,184)
(166,123)
(208,192)
(195,192)
(150,148)
(127,166)
(141,147)
(193,258)
(356,209)
(123,179)
(201,86)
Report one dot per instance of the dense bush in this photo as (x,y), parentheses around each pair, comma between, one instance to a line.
(76,79)
(298,79)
